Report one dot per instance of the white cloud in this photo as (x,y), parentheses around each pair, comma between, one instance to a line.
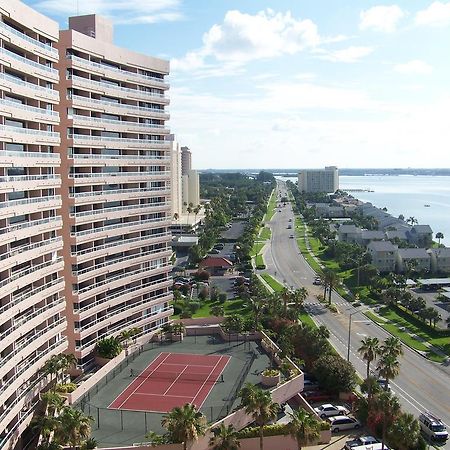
(415,66)
(381,18)
(244,37)
(436,15)
(121,11)
(346,55)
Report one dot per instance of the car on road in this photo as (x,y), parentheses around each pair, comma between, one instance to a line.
(433,427)
(289,227)
(291,236)
(317,281)
(356,304)
(363,440)
(340,423)
(329,410)
(315,396)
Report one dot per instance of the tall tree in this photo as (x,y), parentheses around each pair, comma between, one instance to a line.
(303,427)
(369,349)
(404,432)
(258,403)
(392,346)
(439,236)
(388,368)
(185,424)
(74,427)
(224,438)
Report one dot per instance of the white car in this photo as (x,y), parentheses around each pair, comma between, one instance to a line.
(329,410)
(340,423)
(361,441)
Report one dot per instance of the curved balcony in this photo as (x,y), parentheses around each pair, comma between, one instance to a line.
(26,300)
(120,228)
(118,108)
(116,195)
(28,66)
(27,42)
(29,135)
(88,160)
(117,177)
(17,110)
(29,159)
(28,229)
(28,205)
(30,275)
(29,252)
(116,73)
(118,125)
(84,140)
(100,87)
(20,87)
(29,182)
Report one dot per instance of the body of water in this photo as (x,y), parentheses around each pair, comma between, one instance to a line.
(407,195)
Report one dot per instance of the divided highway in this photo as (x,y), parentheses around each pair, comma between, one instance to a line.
(421,386)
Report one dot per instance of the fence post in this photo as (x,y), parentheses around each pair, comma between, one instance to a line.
(98,418)
(145,420)
(121,419)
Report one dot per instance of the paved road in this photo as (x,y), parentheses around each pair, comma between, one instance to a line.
(421,385)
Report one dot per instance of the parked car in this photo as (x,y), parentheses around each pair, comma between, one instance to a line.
(214,251)
(315,396)
(363,440)
(291,236)
(317,281)
(289,227)
(309,385)
(329,410)
(340,423)
(433,427)
(219,246)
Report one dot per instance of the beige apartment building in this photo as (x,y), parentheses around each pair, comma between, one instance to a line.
(32,320)
(84,198)
(319,180)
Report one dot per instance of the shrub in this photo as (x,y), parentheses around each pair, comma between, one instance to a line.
(202,275)
(203,294)
(186,313)
(65,388)
(213,294)
(194,306)
(271,372)
(108,347)
(335,374)
(261,267)
(176,309)
(222,297)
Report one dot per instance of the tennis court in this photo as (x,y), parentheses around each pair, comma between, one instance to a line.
(170,380)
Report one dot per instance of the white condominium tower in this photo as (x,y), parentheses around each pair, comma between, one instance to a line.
(319,180)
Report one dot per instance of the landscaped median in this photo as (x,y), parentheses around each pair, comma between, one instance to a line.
(271,207)
(300,229)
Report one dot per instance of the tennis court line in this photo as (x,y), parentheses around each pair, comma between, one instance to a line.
(210,373)
(145,379)
(159,395)
(176,379)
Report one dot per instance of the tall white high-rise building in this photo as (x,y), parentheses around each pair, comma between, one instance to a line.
(319,180)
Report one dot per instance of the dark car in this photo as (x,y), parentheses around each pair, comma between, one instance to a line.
(315,396)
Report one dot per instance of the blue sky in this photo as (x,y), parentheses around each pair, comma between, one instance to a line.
(277,84)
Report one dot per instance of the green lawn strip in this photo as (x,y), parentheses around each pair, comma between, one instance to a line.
(256,249)
(274,284)
(404,336)
(232,306)
(265,234)
(305,318)
(259,260)
(271,207)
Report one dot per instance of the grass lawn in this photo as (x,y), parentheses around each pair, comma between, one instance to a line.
(265,234)
(259,260)
(271,207)
(274,284)
(257,247)
(306,319)
(232,306)
(396,322)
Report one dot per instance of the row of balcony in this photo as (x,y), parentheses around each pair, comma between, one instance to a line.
(92,159)
(29,182)
(29,159)
(29,205)
(27,42)
(28,66)
(117,91)
(115,142)
(26,112)
(31,228)
(117,108)
(29,135)
(119,125)
(103,69)
(18,86)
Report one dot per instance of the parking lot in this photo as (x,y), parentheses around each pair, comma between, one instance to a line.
(431,299)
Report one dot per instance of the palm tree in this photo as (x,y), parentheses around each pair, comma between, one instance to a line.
(196,210)
(53,402)
(298,297)
(412,220)
(331,280)
(51,367)
(388,368)
(323,332)
(259,404)
(285,296)
(185,424)
(439,236)
(74,427)
(404,432)
(391,346)
(389,406)
(368,350)
(66,362)
(225,438)
(303,427)
(46,426)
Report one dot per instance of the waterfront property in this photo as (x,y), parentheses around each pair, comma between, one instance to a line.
(319,180)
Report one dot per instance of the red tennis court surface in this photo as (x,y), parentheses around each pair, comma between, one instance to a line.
(172,379)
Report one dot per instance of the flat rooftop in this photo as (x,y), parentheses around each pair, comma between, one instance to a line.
(120,427)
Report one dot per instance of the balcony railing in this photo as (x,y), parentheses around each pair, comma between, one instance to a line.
(31,86)
(27,248)
(99,84)
(161,173)
(130,124)
(95,212)
(29,39)
(32,109)
(105,139)
(149,191)
(33,223)
(122,293)
(114,69)
(29,201)
(124,106)
(22,178)
(29,131)
(117,243)
(124,157)
(29,154)
(29,62)
(119,225)
(37,357)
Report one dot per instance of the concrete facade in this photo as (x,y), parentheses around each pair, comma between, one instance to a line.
(319,180)
(186,160)
(32,303)
(191,189)
(175,178)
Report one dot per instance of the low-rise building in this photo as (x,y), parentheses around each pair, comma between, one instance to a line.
(384,255)
(421,235)
(349,233)
(367,236)
(417,258)
(440,259)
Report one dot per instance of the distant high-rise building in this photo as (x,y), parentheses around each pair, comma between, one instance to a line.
(186,160)
(175,176)
(319,180)
(191,189)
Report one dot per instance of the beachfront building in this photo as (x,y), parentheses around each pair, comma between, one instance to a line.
(319,180)
(383,255)
(421,235)
(175,178)
(190,189)
(416,259)
(115,164)
(186,160)
(440,259)
(32,303)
